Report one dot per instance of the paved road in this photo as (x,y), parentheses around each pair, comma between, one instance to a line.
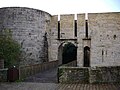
(53,86)
(49,76)
(28,86)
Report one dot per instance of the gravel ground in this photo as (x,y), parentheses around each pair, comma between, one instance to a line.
(28,86)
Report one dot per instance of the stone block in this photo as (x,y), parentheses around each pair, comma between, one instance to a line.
(73,75)
(67,26)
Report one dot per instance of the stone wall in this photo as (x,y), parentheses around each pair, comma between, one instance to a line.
(89,74)
(80,37)
(104,74)
(52,39)
(73,75)
(103,37)
(37,33)
(29,27)
(104,31)
(67,26)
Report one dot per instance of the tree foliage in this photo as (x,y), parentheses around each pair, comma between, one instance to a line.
(9,49)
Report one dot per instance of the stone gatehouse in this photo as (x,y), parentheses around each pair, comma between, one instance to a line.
(42,36)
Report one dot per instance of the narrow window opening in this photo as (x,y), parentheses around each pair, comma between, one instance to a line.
(86,56)
(102,52)
(75,28)
(102,55)
(58,29)
(86,26)
(114,37)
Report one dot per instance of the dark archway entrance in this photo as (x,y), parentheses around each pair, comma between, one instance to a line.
(69,53)
(86,56)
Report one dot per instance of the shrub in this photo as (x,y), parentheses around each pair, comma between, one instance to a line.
(9,49)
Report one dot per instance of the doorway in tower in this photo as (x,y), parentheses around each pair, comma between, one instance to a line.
(86,56)
(69,53)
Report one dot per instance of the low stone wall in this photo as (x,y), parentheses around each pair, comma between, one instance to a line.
(27,71)
(3,75)
(71,64)
(73,75)
(89,74)
(104,74)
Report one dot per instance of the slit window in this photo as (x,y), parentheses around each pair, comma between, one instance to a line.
(75,28)
(58,29)
(86,26)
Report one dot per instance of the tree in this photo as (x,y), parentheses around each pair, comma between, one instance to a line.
(9,49)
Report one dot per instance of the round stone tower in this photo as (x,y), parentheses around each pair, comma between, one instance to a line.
(29,27)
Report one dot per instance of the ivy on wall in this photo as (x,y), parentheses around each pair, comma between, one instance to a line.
(9,49)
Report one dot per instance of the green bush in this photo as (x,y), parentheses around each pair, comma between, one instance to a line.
(9,49)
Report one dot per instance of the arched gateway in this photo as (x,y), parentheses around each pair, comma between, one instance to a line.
(67,52)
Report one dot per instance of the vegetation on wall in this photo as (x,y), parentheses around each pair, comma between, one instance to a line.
(9,49)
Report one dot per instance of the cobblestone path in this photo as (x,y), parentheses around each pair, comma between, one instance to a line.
(88,87)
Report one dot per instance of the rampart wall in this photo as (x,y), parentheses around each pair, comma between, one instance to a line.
(105,38)
(41,34)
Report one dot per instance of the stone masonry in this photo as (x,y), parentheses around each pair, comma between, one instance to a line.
(104,30)
(41,36)
(28,27)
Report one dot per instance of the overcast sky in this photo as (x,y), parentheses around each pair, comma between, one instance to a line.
(66,6)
